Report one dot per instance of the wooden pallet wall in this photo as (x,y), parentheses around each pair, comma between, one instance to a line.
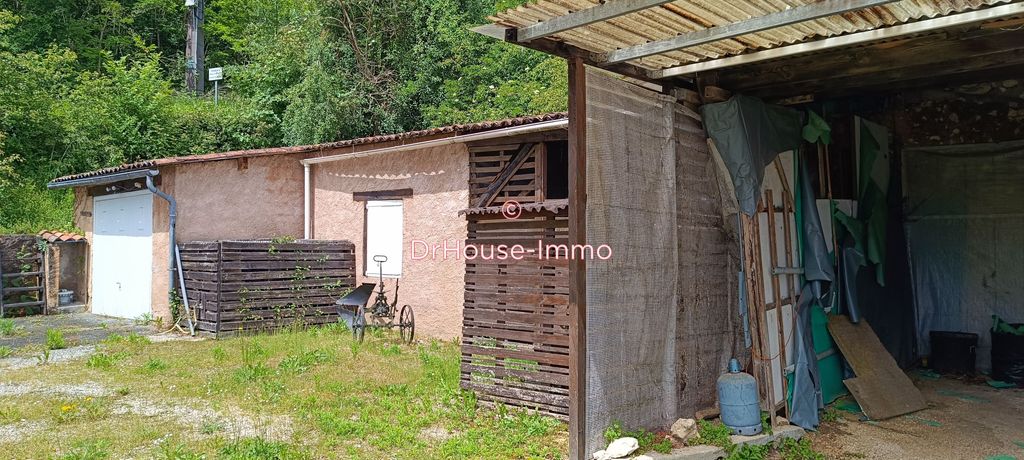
(515,345)
(237,286)
(486,162)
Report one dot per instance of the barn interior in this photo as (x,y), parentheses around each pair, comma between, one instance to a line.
(835,208)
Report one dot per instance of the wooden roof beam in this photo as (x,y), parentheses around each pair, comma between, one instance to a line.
(603,12)
(923,26)
(736,29)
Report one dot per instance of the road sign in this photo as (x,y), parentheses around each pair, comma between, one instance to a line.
(216,73)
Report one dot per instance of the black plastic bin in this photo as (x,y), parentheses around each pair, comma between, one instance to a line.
(1008,357)
(953,352)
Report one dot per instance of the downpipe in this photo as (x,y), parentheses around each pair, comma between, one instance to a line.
(173,216)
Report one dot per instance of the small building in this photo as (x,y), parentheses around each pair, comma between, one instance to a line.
(695,154)
(379,192)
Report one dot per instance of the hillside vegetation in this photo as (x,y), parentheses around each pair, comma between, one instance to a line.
(86,84)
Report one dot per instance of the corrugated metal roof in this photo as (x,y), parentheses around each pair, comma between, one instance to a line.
(683,16)
(465,128)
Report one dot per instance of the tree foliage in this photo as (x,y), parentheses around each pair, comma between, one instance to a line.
(86,84)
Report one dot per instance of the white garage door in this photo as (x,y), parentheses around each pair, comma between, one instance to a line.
(122,254)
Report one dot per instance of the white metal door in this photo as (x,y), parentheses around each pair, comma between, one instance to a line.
(122,254)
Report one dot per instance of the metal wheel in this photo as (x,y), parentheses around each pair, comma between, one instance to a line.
(359,325)
(407,324)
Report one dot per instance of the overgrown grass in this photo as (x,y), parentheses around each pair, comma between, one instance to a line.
(5,351)
(337,399)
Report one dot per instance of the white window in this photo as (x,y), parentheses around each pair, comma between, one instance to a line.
(384,237)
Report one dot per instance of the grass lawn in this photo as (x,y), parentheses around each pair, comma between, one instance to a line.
(293,395)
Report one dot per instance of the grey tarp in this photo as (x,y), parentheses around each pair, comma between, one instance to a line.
(749,134)
(965,227)
(818,276)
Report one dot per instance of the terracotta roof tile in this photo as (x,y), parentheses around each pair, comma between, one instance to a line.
(459,129)
(55,236)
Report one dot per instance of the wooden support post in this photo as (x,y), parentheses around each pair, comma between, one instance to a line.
(577,266)
(777,294)
(540,172)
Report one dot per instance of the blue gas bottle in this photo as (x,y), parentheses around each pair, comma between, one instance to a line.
(738,401)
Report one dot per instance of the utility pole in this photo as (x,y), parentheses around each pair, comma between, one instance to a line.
(195,47)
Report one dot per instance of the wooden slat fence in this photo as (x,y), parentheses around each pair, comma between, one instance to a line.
(515,345)
(22,276)
(237,286)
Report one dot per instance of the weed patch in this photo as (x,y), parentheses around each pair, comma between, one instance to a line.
(648,441)
(87,450)
(55,339)
(259,448)
(154,365)
(5,351)
(88,409)
(7,327)
(103,360)
(792,449)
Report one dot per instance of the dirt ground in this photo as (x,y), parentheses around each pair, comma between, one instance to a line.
(964,420)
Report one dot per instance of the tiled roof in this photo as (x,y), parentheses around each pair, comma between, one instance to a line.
(459,129)
(54,236)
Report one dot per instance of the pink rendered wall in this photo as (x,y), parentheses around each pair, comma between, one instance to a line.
(439,179)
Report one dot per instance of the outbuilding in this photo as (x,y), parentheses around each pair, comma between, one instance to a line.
(786,183)
(379,192)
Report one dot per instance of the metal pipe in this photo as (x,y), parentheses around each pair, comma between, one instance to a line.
(172,243)
(307,199)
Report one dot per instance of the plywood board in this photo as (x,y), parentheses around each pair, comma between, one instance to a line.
(881,388)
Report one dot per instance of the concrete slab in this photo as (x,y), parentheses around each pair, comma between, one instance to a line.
(691,453)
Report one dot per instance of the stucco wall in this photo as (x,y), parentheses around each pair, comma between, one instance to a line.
(230,199)
(439,179)
(239,199)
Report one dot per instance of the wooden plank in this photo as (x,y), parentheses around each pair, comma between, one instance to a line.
(526,336)
(549,378)
(23,304)
(506,174)
(881,388)
(546,358)
(21,274)
(735,29)
(515,317)
(577,267)
(396,194)
(22,289)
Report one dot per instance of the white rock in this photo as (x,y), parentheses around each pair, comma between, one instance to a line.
(622,447)
(600,455)
(684,429)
